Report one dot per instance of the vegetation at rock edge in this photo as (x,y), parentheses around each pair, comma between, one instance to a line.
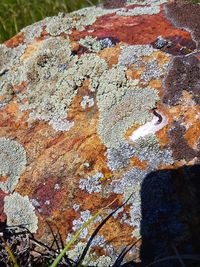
(16,14)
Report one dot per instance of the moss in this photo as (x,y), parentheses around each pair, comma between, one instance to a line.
(20,211)
(12,163)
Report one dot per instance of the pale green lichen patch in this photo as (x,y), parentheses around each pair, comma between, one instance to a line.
(91,257)
(75,20)
(119,157)
(147,7)
(152,71)
(146,2)
(91,67)
(95,44)
(145,149)
(133,53)
(9,59)
(133,108)
(20,212)
(35,30)
(78,223)
(92,44)
(49,93)
(12,163)
(148,148)
(145,10)
(54,76)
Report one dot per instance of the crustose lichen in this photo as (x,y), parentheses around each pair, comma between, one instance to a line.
(20,212)
(12,162)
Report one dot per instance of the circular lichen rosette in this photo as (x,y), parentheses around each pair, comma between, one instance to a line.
(92,104)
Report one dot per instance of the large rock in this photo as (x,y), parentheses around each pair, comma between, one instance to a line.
(92,103)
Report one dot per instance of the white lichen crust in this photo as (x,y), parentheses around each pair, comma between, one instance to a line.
(20,212)
(12,163)
(146,2)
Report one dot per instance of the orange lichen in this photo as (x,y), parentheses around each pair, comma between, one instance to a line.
(138,164)
(110,55)
(19,88)
(12,109)
(191,134)
(32,48)
(3,178)
(15,41)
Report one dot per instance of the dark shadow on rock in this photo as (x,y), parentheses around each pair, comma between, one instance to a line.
(170,224)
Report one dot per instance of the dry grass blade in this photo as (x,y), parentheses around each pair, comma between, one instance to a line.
(179,257)
(12,257)
(122,255)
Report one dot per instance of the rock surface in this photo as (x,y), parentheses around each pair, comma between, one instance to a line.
(91,103)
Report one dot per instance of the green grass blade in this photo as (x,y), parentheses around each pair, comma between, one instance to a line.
(73,239)
(76,236)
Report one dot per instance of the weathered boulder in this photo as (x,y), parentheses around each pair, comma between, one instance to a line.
(91,103)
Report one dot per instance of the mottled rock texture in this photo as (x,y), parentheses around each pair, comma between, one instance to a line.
(92,104)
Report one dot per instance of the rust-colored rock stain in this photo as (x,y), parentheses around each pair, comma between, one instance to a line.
(58,160)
